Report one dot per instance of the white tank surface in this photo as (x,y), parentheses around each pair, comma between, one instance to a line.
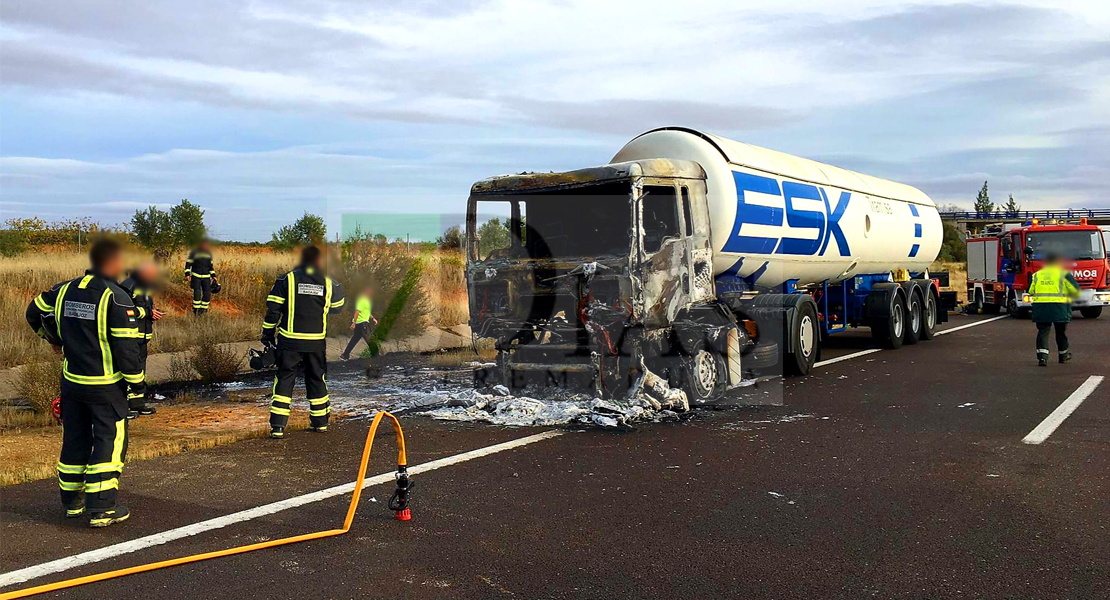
(776,217)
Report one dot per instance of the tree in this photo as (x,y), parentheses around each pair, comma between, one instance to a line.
(188,223)
(154,229)
(983,204)
(492,235)
(307,230)
(452,238)
(1012,208)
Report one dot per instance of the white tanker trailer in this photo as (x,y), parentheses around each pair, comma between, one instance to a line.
(690,262)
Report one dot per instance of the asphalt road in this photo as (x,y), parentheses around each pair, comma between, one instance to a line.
(896,474)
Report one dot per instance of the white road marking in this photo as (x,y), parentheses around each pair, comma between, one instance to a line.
(847,357)
(830,361)
(1052,421)
(975,324)
(92,556)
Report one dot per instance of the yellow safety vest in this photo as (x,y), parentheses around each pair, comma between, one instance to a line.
(1050,285)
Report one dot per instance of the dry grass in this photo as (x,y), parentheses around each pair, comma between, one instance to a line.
(40,383)
(462,357)
(15,418)
(30,454)
(246,275)
(957,277)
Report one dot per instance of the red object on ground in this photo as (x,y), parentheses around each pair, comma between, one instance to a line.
(56,409)
(404,515)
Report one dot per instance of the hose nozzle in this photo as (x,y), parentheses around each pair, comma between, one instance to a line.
(399,501)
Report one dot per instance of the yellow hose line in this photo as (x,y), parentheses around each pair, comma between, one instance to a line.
(402,460)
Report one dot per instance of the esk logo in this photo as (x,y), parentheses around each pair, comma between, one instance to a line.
(825,223)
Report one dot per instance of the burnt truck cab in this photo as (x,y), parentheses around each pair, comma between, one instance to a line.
(601,275)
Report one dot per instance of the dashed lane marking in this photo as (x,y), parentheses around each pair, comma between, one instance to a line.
(157,539)
(1052,421)
(825,363)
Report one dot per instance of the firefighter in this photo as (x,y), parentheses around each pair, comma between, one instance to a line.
(1052,289)
(92,322)
(297,322)
(200,274)
(360,323)
(140,285)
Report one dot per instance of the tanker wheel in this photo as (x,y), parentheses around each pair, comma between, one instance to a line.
(804,341)
(931,307)
(703,374)
(915,318)
(889,331)
(1091,312)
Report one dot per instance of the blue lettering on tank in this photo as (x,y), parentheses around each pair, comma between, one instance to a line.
(802,219)
(826,224)
(753,214)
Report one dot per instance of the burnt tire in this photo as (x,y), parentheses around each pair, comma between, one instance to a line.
(703,374)
(915,318)
(930,314)
(1091,312)
(804,339)
(889,331)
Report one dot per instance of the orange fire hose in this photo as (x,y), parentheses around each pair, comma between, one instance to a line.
(402,462)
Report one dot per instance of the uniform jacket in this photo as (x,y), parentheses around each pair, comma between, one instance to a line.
(1053,305)
(297,309)
(96,324)
(144,304)
(199,265)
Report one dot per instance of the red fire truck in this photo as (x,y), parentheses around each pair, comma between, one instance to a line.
(1001,261)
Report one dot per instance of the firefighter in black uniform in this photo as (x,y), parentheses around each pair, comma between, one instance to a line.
(96,326)
(140,285)
(297,322)
(200,274)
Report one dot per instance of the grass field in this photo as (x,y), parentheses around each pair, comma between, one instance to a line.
(246,275)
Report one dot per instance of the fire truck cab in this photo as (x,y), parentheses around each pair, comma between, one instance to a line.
(1001,262)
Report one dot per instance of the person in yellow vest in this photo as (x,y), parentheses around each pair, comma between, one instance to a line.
(360,324)
(1052,289)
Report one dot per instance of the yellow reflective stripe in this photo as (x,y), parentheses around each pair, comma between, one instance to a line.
(101,486)
(301,336)
(126,332)
(71,469)
(149,336)
(41,303)
(89,379)
(338,304)
(142,312)
(291,295)
(199,276)
(84,282)
(108,467)
(279,411)
(119,442)
(281,398)
(102,331)
(275,299)
(71,486)
(58,308)
(318,401)
(327,303)
(266,325)
(135,378)
(319,413)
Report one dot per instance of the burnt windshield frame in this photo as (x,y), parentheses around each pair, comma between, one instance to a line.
(581,222)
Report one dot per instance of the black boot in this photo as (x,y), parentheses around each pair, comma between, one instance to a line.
(76,508)
(1065,356)
(277,432)
(1042,360)
(105,518)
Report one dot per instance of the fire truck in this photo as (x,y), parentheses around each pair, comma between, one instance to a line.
(1002,259)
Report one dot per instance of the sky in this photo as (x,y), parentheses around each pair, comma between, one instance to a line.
(261,111)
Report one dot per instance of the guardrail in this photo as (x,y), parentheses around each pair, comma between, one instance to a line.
(1025,215)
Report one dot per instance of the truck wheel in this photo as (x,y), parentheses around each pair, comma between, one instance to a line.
(703,373)
(889,331)
(976,305)
(805,339)
(931,307)
(1091,312)
(915,318)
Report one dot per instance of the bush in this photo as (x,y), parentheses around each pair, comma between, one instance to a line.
(40,383)
(209,359)
(393,270)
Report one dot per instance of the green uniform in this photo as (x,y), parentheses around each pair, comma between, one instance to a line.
(1053,288)
(363,307)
